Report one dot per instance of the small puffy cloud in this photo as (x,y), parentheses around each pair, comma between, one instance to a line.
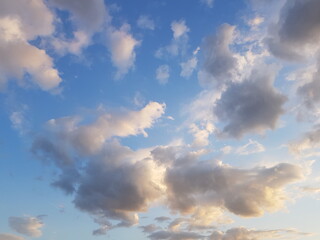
(163,74)
(20,23)
(149,228)
(7,236)
(179,28)
(250,148)
(145,22)
(121,45)
(188,67)
(253,105)
(296,35)
(29,226)
(208,3)
(201,133)
(256,21)
(178,44)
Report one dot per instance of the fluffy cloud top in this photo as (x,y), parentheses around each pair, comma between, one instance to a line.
(29,226)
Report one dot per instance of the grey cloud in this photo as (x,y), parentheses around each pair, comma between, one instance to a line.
(219,61)
(297,31)
(310,91)
(248,192)
(118,190)
(89,15)
(29,226)
(251,106)
(149,228)
(162,219)
(6,236)
(175,235)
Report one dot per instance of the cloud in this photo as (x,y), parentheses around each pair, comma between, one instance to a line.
(117,182)
(251,106)
(244,192)
(145,22)
(93,17)
(250,148)
(163,74)
(19,24)
(29,226)
(162,219)
(175,235)
(149,228)
(242,233)
(6,236)
(220,63)
(88,16)
(179,42)
(188,67)
(309,90)
(121,45)
(309,141)
(179,28)
(208,3)
(201,134)
(296,34)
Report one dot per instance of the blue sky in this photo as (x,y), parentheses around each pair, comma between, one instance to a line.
(159,119)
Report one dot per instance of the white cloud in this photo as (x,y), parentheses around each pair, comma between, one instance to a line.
(145,22)
(178,44)
(201,133)
(179,28)
(19,24)
(121,45)
(163,74)
(188,67)
(250,148)
(29,226)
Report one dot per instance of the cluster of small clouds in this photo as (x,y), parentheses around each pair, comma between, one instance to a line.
(29,20)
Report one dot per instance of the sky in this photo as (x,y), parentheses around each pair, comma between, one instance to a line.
(160,120)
